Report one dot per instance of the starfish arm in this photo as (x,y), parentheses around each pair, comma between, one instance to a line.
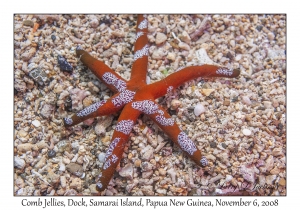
(116,148)
(101,108)
(168,125)
(179,137)
(113,81)
(141,48)
(176,79)
(97,109)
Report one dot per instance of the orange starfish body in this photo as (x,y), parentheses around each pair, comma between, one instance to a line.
(136,97)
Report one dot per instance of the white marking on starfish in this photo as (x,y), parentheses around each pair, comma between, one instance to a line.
(146,106)
(125,97)
(204,161)
(90,109)
(100,175)
(227,72)
(111,79)
(138,35)
(114,158)
(99,185)
(106,164)
(140,53)
(124,126)
(111,147)
(186,143)
(68,120)
(143,24)
(161,112)
(164,121)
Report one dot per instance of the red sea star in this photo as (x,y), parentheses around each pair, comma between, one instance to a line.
(136,97)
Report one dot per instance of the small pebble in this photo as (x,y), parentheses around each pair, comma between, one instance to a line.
(137,163)
(213,144)
(36,123)
(246,132)
(162,172)
(246,100)
(259,28)
(63,64)
(53,37)
(207,92)
(22,133)
(19,163)
(282,182)
(175,104)
(127,171)
(226,102)
(75,169)
(39,76)
(51,153)
(224,145)
(101,157)
(271,36)
(160,38)
(199,109)
(184,46)
(106,140)
(28,23)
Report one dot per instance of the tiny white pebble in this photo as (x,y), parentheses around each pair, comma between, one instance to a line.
(101,157)
(19,163)
(36,123)
(246,100)
(199,109)
(148,80)
(246,132)
(228,178)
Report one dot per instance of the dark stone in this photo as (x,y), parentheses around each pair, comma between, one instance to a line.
(224,145)
(229,55)
(51,153)
(39,76)
(234,99)
(213,144)
(105,21)
(53,37)
(259,28)
(222,132)
(63,64)
(68,104)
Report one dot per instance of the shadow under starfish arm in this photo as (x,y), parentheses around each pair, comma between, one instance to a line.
(160,88)
(115,151)
(179,137)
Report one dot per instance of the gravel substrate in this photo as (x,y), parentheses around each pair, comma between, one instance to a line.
(239,124)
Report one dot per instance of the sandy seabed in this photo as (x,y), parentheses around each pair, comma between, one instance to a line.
(241,131)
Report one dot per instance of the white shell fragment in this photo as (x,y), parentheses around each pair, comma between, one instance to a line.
(199,109)
(36,123)
(127,171)
(160,38)
(246,132)
(19,163)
